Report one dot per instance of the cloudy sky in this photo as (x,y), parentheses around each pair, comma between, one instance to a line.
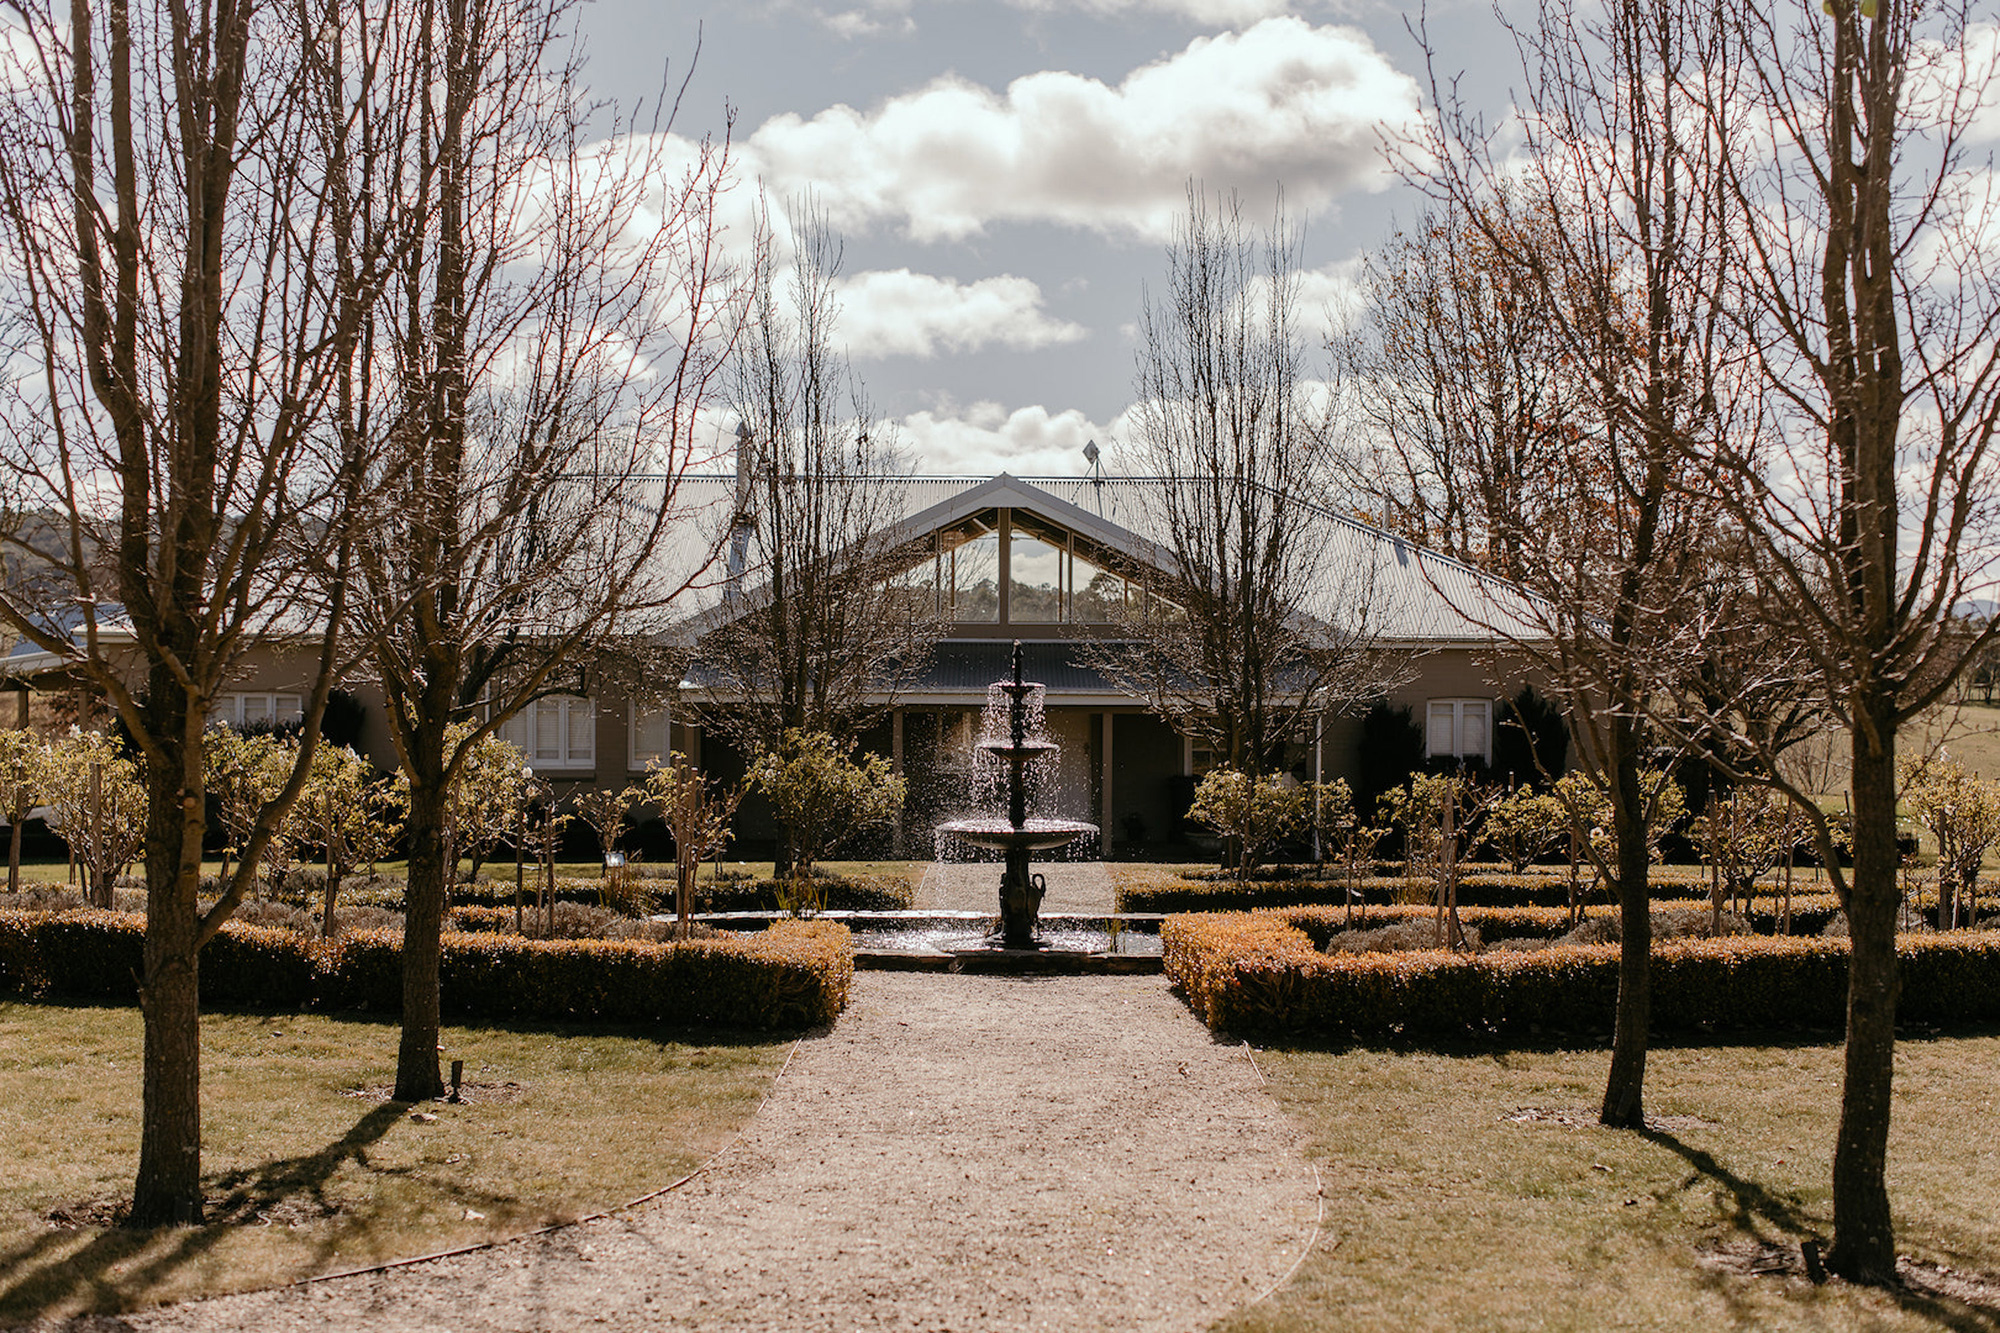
(1006,172)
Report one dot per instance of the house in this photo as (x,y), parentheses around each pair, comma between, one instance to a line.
(1010,559)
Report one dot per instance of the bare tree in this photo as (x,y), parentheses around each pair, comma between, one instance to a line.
(1467,393)
(814,632)
(1605,227)
(168,482)
(1253,631)
(534,368)
(1866,277)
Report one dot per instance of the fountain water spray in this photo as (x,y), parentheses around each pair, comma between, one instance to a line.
(1020,890)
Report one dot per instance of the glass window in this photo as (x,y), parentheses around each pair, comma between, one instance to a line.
(914,592)
(972,551)
(555,732)
(1035,581)
(261,712)
(650,742)
(1099,594)
(1459,729)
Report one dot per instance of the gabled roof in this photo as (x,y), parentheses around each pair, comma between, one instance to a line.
(1411,595)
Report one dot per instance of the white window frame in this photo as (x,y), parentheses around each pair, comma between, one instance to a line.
(1460,708)
(281,707)
(519,731)
(635,717)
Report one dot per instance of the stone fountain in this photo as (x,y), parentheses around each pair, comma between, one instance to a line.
(1017,835)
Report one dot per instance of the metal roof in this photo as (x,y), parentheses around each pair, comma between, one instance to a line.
(1365,578)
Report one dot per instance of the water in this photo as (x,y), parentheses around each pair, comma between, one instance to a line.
(1126,942)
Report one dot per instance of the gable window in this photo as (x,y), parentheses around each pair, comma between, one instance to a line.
(1049,575)
(1459,729)
(651,741)
(558,731)
(246,712)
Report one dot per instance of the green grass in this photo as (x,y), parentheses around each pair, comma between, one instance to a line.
(1971,732)
(1442,1212)
(311,1169)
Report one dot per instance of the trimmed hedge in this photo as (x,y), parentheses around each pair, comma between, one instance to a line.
(796,974)
(1810,915)
(1485,890)
(1258,972)
(858,893)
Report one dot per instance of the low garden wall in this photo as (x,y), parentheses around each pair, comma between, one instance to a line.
(1259,972)
(796,974)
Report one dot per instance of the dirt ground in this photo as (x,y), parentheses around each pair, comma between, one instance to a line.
(958,1152)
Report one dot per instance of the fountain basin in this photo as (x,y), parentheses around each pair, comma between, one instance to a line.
(1020,749)
(1125,944)
(1034,835)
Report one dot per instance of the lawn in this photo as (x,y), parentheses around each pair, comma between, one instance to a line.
(1469,1189)
(309,1167)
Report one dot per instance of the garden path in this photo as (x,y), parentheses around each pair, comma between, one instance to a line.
(1080,887)
(957,1152)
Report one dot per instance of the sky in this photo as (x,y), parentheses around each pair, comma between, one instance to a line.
(1006,174)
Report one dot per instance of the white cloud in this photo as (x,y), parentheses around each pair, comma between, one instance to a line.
(1282,101)
(867,21)
(1219,13)
(900,313)
(985,438)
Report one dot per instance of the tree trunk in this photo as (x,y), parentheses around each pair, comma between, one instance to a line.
(14,857)
(417,1076)
(167,1190)
(1864,1238)
(1625,1087)
(332,887)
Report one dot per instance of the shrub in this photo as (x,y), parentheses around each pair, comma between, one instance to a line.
(792,975)
(823,794)
(1259,972)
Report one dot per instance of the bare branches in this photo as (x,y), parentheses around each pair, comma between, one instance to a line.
(814,633)
(1255,633)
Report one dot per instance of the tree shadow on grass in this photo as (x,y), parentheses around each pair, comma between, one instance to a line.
(118,1267)
(1960,1300)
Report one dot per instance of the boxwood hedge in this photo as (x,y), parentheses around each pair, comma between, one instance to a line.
(795,974)
(1259,972)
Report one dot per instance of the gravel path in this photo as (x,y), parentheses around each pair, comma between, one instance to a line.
(1080,887)
(958,1152)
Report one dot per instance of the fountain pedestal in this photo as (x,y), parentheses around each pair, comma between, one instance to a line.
(1021,890)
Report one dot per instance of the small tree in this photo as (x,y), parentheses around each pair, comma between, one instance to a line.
(1440,815)
(243,772)
(1742,834)
(350,812)
(98,804)
(483,804)
(1588,812)
(823,795)
(1963,813)
(1254,813)
(603,810)
(23,782)
(1354,844)
(697,814)
(1524,824)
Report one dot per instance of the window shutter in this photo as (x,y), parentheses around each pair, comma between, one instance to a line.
(582,747)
